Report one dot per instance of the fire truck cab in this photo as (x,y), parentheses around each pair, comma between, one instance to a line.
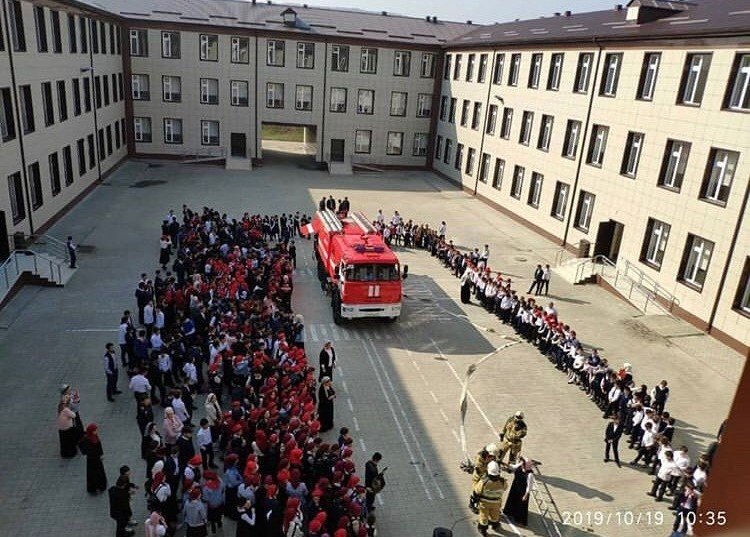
(362,273)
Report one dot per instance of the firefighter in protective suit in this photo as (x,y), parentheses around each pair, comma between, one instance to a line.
(488,492)
(512,436)
(485,456)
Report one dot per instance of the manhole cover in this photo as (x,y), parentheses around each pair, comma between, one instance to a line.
(86,248)
(520,259)
(146,183)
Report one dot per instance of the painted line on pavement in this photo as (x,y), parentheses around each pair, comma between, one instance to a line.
(356,423)
(314,333)
(349,403)
(343,385)
(92,330)
(362,443)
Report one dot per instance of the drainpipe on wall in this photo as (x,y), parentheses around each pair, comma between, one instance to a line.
(582,143)
(437,88)
(486,119)
(258,133)
(322,137)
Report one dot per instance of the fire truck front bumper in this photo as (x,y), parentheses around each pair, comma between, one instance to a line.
(357,311)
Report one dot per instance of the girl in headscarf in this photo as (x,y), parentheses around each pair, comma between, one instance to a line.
(172,427)
(517,503)
(213,415)
(155,525)
(66,428)
(151,445)
(326,395)
(91,446)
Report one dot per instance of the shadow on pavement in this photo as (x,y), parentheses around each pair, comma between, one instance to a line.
(582,490)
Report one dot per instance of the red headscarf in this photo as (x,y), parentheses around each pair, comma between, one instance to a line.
(91,435)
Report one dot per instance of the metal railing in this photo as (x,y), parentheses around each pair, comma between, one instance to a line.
(548,510)
(564,254)
(20,261)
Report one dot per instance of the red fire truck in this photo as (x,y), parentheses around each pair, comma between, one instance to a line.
(363,274)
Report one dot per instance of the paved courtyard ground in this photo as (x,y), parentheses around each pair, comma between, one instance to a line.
(399,384)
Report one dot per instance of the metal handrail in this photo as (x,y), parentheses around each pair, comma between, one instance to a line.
(549,512)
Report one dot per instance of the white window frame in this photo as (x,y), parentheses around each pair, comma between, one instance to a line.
(572,138)
(695,78)
(358,147)
(424,104)
(137,81)
(545,132)
(651,62)
(677,155)
(561,200)
(516,184)
(632,153)
(585,211)
(398,97)
(507,123)
(515,69)
(340,105)
(497,173)
(723,166)
(401,63)
(305,57)
(491,120)
(611,75)
(206,127)
(583,72)
(340,58)
(135,43)
(362,109)
(236,51)
(168,46)
(527,125)
(272,99)
(599,145)
(739,96)
(368,60)
(167,91)
(172,127)
(535,72)
(390,147)
(235,92)
(427,67)
(698,260)
(419,148)
(555,73)
(142,129)
(658,235)
(275,52)
(497,74)
(535,189)
(205,90)
(205,41)
(300,103)
(484,167)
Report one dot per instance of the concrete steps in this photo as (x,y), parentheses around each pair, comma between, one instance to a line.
(340,168)
(31,268)
(238,163)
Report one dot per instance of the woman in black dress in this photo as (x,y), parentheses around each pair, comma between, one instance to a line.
(466,282)
(91,446)
(326,395)
(517,503)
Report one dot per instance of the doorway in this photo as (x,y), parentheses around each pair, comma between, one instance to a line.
(4,238)
(337,149)
(239,144)
(289,144)
(608,239)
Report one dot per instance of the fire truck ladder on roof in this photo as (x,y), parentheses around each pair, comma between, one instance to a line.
(331,221)
(363,223)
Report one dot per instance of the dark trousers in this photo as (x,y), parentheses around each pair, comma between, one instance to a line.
(73,258)
(370,500)
(544,286)
(614,445)
(207,454)
(536,287)
(647,453)
(111,384)
(124,355)
(659,488)
(122,527)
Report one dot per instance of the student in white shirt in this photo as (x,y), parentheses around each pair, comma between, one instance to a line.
(205,442)
(664,476)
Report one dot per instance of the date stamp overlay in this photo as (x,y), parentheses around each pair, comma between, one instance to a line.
(613,518)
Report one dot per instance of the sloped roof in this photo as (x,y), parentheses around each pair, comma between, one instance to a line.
(695,18)
(311,20)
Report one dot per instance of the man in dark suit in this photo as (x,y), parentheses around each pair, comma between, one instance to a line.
(536,285)
(327,361)
(612,439)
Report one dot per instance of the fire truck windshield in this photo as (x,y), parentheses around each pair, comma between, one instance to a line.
(371,273)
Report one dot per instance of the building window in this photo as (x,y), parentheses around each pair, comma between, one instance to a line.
(655,243)
(105,88)
(555,72)
(535,190)
(92,151)
(27,109)
(527,123)
(305,55)
(497,73)
(41,29)
(438,147)
(459,156)
(15,192)
(470,67)
(303,96)
(238,92)
(584,211)
(363,141)
(138,42)
(142,129)
(484,167)
(7,124)
(49,117)
(84,38)
(72,37)
(447,67)
(507,123)
(171,89)
(209,132)
(87,94)
(17,35)
(738,91)
(742,299)
(140,85)
(114,87)
(209,91)
(452,111)
(68,165)
(572,134)
(476,116)
(56,33)
(368,60)
(649,71)
(401,63)
(719,175)
(103,37)
(424,105)
(275,53)
(94,37)
(209,47)
(516,185)
(117,134)
(120,86)
(457,67)
(694,77)
(695,261)
(338,100)
(465,112)
(172,131)
(398,103)
(109,139)
(674,164)
(448,150)
(470,157)
(395,144)
(482,73)
(561,200)
(62,101)
(340,58)
(597,145)
(240,50)
(535,72)
(633,149)
(54,173)
(427,67)
(81,157)
(365,101)
(443,107)
(491,120)
(420,144)
(112,39)
(35,186)
(274,95)
(545,133)
(583,72)
(611,74)
(515,69)
(497,174)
